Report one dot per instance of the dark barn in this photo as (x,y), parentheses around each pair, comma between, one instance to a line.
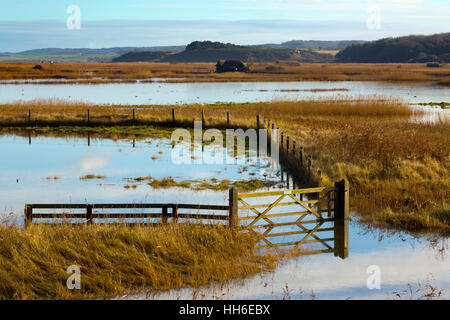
(231,66)
(433,65)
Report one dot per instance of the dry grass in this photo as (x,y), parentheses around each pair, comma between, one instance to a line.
(204,72)
(399,169)
(117,260)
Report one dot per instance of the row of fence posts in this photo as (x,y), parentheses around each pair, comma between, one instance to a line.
(302,162)
(133,118)
(88,139)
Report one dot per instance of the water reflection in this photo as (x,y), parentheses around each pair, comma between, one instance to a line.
(48,170)
(403,260)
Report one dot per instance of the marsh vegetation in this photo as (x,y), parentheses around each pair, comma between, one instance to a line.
(118,259)
(204,72)
(398,166)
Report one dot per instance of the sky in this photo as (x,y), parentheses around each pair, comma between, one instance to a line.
(31,24)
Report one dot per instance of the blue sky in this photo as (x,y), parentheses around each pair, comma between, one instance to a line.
(27,24)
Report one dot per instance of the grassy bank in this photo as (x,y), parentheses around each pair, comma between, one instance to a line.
(116,260)
(204,72)
(398,166)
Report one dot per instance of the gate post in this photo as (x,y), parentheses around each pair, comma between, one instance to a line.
(89,214)
(341,204)
(28,215)
(175,213)
(165,214)
(233,208)
(341,219)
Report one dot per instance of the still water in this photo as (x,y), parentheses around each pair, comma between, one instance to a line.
(28,171)
(159,93)
(49,170)
(402,261)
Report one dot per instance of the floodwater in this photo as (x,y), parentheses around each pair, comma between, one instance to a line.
(48,170)
(402,260)
(28,171)
(27,174)
(159,93)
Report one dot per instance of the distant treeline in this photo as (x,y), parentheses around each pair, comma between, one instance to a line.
(144,56)
(434,48)
(313,44)
(75,51)
(207,51)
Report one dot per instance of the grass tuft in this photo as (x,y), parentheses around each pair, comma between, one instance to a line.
(119,259)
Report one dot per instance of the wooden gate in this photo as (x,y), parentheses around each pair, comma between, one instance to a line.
(313,217)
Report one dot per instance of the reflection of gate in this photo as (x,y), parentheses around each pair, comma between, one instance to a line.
(316,218)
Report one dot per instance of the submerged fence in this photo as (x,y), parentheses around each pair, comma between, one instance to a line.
(326,210)
(128,213)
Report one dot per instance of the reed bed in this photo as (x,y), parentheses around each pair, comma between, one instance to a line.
(204,72)
(398,167)
(117,259)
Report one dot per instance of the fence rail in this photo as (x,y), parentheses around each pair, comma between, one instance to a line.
(309,215)
(167,211)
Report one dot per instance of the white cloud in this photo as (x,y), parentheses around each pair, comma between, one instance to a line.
(90,162)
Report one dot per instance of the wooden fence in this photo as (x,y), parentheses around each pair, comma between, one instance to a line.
(141,213)
(323,205)
(292,154)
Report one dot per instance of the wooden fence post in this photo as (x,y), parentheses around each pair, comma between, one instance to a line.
(175,213)
(228,118)
(301,157)
(165,214)
(233,203)
(203,118)
(28,215)
(173,115)
(287,179)
(342,200)
(282,139)
(257,124)
(341,216)
(287,145)
(89,214)
(309,164)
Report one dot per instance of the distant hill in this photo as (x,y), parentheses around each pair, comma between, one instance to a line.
(198,51)
(144,56)
(314,44)
(79,54)
(434,48)
(207,51)
(116,50)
